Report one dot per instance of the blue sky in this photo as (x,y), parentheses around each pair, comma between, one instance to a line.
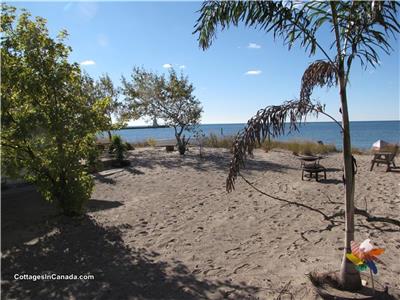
(243,71)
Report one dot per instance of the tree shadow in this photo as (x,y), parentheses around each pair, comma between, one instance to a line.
(96,205)
(103,175)
(209,161)
(331,181)
(37,240)
(83,247)
(24,216)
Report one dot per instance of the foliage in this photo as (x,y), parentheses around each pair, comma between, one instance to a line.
(118,147)
(92,158)
(115,111)
(168,98)
(48,120)
(142,93)
(299,147)
(359,30)
(103,88)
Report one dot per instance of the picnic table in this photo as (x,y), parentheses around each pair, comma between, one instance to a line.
(384,157)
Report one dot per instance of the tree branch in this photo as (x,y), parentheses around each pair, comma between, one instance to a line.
(326,217)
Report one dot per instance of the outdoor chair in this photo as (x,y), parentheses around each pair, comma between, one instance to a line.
(313,168)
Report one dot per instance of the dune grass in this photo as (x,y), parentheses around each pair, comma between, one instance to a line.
(295,146)
(299,147)
(214,141)
(147,143)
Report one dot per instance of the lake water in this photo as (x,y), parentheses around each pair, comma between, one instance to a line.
(363,133)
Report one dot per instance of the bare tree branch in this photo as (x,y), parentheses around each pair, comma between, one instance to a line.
(330,218)
(268,122)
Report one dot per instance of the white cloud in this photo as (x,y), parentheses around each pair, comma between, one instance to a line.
(253,72)
(167,66)
(182,67)
(254,46)
(88,62)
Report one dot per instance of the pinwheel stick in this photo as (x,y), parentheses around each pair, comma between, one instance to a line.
(372,281)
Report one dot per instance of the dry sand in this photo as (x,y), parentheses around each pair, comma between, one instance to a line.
(165,228)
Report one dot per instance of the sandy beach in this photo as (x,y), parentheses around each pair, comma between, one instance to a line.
(165,228)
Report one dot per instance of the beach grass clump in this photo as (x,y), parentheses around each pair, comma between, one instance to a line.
(150,142)
(214,141)
(358,151)
(299,147)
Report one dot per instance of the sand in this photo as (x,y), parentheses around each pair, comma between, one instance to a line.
(165,228)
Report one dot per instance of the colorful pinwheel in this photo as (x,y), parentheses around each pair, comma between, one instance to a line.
(364,255)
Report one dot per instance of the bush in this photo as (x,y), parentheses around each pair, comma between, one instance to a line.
(118,147)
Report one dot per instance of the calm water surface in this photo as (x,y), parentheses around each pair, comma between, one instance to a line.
(363,133)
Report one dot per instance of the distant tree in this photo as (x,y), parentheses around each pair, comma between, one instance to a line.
(169,98)
(48,118)
(356,30)
(115,110)
(142,94)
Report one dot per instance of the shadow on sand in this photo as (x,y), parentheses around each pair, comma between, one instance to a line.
(209,161)
(61,245)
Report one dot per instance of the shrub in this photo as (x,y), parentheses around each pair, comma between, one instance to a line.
(118,147)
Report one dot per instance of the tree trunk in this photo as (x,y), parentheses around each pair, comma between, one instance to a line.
(109,135)
(349,276)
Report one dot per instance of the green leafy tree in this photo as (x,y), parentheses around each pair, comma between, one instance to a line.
(48,119)
(115,111)
(359,31)
(169,98)
(142,93)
